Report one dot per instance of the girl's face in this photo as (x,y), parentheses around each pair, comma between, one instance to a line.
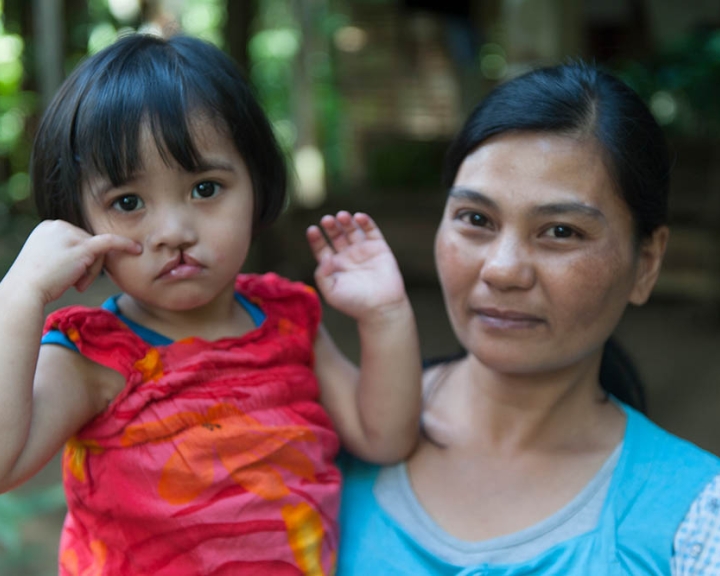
(536,254)
(195,227)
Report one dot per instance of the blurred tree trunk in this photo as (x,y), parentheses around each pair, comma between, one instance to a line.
(49,39)
(76,24)
(238,28)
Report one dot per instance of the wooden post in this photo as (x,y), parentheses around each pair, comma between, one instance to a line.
(48,24)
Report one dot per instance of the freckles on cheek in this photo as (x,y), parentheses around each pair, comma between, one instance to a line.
(458,268)
(593,286)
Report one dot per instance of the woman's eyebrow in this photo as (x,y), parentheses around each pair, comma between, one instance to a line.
(472,196)
(563,208)
(552,209)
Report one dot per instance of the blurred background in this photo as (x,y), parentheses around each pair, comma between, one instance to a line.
(364,96)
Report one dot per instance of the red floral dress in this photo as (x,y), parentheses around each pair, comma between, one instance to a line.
(216,459)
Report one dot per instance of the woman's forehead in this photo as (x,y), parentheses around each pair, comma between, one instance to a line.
(537,168)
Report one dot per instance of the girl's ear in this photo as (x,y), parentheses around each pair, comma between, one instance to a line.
(650,259)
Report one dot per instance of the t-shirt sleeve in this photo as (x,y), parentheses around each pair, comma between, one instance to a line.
(59,338)
(696,549)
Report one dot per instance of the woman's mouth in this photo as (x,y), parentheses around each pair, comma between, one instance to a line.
(508,319)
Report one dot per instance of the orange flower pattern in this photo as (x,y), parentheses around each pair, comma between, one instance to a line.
(75,456)
(251,458)
(216,458)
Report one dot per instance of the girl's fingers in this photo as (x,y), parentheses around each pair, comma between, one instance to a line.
(90,275)
(334,232)
(98,246)
(103,243)
(318,244)
(368,226)
(353,232)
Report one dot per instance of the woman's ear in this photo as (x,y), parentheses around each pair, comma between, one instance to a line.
(650,259)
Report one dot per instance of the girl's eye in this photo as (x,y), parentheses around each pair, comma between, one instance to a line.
(562,231)
(475,219)
(205,190)
(128,203)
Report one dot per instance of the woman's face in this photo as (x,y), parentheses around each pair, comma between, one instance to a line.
(536,253)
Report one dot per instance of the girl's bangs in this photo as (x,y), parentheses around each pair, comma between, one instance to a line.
(109,124)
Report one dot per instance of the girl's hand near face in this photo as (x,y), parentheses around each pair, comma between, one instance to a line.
(58,255)
(46,396)
(357,273)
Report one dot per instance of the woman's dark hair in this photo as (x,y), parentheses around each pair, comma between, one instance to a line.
(581,101)
(92,126)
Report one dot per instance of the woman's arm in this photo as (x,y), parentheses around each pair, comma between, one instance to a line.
(44,400)
(375,409)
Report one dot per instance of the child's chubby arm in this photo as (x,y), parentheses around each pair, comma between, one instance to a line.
(47,393)
(375,409)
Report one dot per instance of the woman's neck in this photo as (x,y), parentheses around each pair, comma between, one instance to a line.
(509,414)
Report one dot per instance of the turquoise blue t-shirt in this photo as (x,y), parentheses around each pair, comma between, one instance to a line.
(656,479)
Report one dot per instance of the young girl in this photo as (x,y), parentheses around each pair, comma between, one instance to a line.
(200,409)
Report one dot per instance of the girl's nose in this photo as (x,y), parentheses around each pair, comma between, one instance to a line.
(507,264)
(173,229)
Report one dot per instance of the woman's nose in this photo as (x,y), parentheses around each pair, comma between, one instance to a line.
(173,228)
(508,264)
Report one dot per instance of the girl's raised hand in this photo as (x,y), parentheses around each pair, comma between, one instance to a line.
(58,255)
(357,272)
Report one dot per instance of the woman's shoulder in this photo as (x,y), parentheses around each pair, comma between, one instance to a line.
(665,448)
(696,541)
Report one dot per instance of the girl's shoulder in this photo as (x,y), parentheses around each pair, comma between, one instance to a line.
(71,319)
(98,334)
(271,286)
(281,298)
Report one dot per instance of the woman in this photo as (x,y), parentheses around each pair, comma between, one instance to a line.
(533,460)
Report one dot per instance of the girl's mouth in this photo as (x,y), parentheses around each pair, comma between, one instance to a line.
(180,268)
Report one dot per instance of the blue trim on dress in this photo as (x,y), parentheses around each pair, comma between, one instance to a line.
(149,336)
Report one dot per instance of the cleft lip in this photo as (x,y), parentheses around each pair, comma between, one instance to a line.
(172,264)
(182,260)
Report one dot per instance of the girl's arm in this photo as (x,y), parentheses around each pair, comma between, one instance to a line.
(46,396)
(375,409)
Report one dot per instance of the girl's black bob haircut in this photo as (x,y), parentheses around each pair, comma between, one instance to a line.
(93,124)
(580,100)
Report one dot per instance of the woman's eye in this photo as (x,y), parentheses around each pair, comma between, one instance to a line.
(475,219)
(128,203)
(205,190)
(562,231)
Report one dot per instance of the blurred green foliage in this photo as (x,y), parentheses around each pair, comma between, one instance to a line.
(274,51)
(16,557)
(681,84)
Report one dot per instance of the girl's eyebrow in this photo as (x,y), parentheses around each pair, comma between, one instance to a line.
(100,187)
(552,209)
(205,165)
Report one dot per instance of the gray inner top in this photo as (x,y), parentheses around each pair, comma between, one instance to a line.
(395,495)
